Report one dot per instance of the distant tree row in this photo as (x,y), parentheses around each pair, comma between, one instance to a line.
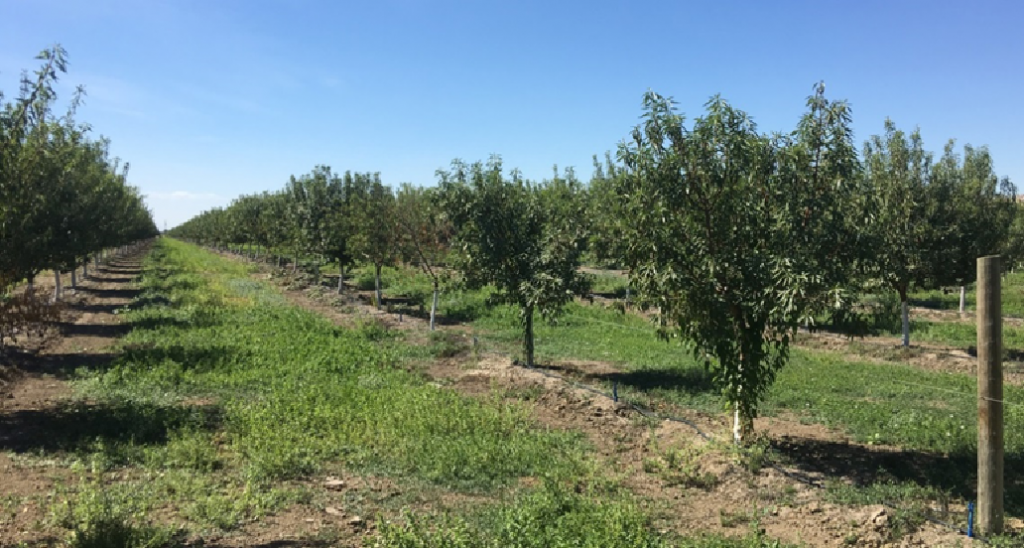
(737,237)
(63,199)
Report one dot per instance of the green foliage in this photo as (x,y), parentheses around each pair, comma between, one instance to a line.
(62,197)
(738,236)
(517,237)
(931,221)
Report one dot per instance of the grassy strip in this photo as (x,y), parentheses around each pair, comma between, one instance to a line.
(294,391)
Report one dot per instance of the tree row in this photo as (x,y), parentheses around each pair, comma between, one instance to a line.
(63,198)
(736,237)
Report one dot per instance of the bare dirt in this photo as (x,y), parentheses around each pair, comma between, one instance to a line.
(36,370)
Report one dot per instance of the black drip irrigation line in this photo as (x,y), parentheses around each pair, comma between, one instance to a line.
(654,415)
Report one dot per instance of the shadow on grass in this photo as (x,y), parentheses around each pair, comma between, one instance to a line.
(691,380)
(935,303)
(79,426)
(195,358)
(61,366)
(305,543)
(955,474)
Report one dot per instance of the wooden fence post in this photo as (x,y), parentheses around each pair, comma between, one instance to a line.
(990,396)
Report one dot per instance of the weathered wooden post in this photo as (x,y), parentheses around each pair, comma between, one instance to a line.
(990,396)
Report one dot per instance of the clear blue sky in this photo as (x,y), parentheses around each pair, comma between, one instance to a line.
(209,99)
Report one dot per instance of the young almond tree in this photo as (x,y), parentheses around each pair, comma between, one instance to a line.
(375,231)
(897,169)
(426,235)
(739,237)
(506,237)
(313,200)
(972,209)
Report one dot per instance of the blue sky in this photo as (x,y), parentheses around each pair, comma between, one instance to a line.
(209,99)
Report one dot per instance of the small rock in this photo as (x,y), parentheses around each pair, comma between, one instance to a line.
(334,511)
(357,522)
(310,520)
(334,484)
(879,518)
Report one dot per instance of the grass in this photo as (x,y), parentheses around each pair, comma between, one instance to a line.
(1013,296)
(225,403)
(551,517)
(294,391)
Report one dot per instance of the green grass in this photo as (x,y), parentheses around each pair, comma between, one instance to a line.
(1012,298)
(295,391)
(550,517)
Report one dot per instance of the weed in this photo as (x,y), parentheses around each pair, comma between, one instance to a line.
(96,517)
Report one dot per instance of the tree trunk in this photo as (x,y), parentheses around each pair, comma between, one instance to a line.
(743,420)
(528,336)
(295,265)
(341,279)
(85,269)
(74,277)
(56,287)
(376,284)
(963,299)
(905,317)
(433,307)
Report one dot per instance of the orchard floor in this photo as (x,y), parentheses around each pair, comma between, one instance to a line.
(689,484)
(737,493)
(34,389)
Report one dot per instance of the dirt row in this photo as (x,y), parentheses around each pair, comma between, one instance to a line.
(35,388)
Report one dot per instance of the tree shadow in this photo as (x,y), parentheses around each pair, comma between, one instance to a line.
(78,426)
(283,543)
(190,358)
(149,300)
(955,474)
(1009,354)
(108,279)
(691,380)
(61,366)
(124,294)
(95,330)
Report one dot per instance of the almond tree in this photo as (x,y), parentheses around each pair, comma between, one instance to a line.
(426,235)
(375,229)
(897,171)
(739,237)
(505,237)
(972,210)
(313,200)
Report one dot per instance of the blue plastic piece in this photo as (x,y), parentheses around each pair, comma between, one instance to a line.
(970,519)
